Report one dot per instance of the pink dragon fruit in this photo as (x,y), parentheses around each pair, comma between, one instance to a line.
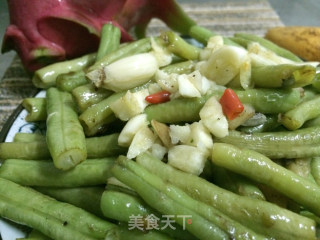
(45,31)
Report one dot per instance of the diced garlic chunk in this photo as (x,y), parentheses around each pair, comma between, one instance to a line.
(186,87)
(130,105)
(167,81)
(245,73)
(201,137)
(213,118)
(187,158)
(214,43)
(200,82)
(162,54)
(247,113)
(131,128)
(154,88)
(158,151)
(179,134)
(266,56)
(126,73)
(141,142)
(224,64)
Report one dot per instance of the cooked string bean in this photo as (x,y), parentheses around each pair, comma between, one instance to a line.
(36,108)
(261,216)
(97,147)
(55,219)
(65,136)
(44,173)
(301,143)
(260,168)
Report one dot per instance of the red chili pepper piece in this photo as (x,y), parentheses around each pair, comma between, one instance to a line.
(231,104)
(158,97)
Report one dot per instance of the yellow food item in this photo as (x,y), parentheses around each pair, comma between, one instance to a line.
(302,40)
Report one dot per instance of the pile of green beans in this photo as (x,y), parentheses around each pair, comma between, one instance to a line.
(261,181)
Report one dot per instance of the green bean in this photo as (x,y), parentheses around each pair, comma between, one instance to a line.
(31,217)
(187,110)
(44,173)
(231,227)
(260,168)
(139,46)
(297,116)
(36,150)
(270,124)
(241,41)
(35,235)
(316,81)
(134,234)
(269,45)
(36,108)
(121,206)
(185,67)
(179,46)
(263,217)
(87,95)
(282,75)
(312,122)
(96,117)
(65,136)
(301,167)
(236,183)
(97,147)
(28,137)
(315,169)
(69,81)
(87,198)
(308,93)
(176,110)
(270,101)
(200,227)
(109,40)
(55,219)
(46,76)
(202,35)
(301,143)
(310,215)
(104,146)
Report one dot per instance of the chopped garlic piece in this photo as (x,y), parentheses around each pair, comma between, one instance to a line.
(162,54)
(200,82)
(201,137)
(158,151)
(266,56)
(186,87)
(141,142)
(167,81)
(213,118)
(130,105)
(179,134)
(187,158)
(131,128)
(224,64)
